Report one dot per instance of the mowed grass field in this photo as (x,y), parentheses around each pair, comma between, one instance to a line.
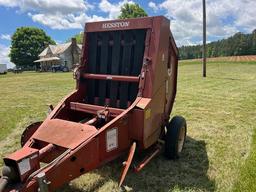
(219,153)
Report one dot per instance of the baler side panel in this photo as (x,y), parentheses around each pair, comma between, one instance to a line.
(153,118)
(123,140)
(154,121)
(172,82)
(71,167)
(80,162)
(136,124)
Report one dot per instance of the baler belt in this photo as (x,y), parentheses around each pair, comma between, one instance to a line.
(117,53)
(115,67)
(125,68)
(92,66)
(103,67)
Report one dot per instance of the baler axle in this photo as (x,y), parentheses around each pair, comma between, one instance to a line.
(147,159)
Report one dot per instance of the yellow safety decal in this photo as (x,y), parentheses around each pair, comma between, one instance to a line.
(148,113)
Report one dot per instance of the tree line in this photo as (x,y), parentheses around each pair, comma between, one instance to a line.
(238,44)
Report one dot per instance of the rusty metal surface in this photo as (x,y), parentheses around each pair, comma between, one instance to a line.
(24,152)
(143,103)
(64,133)
(115,25)
(24,160)
(92,109)
(111,77)
(136,122)
(127,164)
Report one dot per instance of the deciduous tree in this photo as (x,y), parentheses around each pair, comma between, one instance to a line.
(27,43)
(132,10)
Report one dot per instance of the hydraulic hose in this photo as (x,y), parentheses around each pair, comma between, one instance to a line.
(8,174)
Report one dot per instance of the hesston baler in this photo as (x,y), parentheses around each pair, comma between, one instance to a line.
(126,86)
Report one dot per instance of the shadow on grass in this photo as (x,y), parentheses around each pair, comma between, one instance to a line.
(188,173)
(227,78)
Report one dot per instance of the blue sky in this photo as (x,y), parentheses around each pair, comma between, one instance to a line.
(61,19)
(12,18)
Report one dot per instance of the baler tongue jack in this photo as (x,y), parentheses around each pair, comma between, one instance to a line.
(127,163)
(126,86)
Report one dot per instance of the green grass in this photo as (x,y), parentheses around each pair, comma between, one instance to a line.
(246,182)
(219,154)
(26,95)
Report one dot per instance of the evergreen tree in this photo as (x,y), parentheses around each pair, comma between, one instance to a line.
(238,44)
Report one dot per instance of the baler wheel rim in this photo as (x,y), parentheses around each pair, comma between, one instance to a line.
(175,137)
(181,140)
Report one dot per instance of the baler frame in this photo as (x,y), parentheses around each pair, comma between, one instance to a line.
(94,125)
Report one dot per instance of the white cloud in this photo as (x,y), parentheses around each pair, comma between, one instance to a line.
(59,21)
(153,6)
(9,3)
(65,6)
(4,58)
(5,37)
(57,14)
(65,14)
(224,18)
(113,9)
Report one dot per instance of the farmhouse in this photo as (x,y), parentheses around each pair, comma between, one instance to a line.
(67,54)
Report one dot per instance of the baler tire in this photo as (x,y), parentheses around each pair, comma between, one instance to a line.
(28,132)
(175,137)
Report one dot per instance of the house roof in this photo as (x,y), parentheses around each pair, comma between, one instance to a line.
(47,59)
(44,52)
(57,49)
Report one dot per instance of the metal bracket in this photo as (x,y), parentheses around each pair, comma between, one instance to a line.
(43,183)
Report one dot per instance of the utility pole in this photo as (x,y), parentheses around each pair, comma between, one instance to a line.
(204,39)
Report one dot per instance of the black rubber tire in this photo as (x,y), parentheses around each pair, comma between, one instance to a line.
(28,132)
(174,128)
(65,69)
